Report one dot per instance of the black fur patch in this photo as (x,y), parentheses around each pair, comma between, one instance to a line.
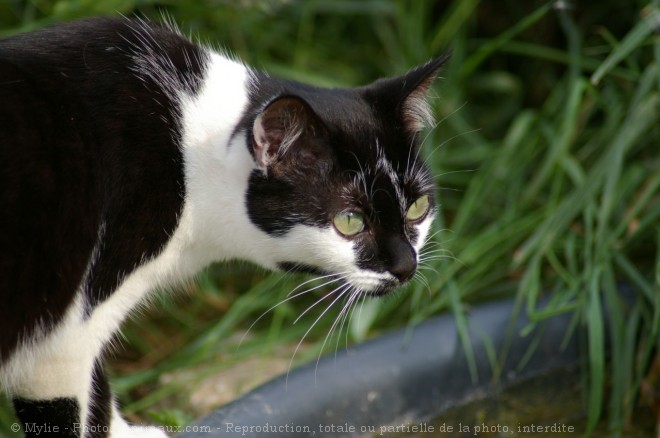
(57,418)
(89,147)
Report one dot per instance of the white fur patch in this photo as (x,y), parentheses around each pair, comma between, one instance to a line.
(325,248)
(55,364)
(385,166)
(216,178)
(423,229)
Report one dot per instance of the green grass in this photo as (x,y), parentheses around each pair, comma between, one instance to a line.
(548,165)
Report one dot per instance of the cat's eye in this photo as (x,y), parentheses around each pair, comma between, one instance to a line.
(348,223)
(418,209)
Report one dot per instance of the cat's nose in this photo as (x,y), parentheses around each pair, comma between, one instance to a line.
(403,259)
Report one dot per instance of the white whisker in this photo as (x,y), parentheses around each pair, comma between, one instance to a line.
(442,257)
(349,304)
(337,275)
(288,298)
(345,288)
(435,251)
(422,279)
(317,302)
(334,326)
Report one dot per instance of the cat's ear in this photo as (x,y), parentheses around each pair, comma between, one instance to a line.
(415,108)
(409,94)
(286,131)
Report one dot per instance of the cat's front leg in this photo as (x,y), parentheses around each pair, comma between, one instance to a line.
(58,387)
(89,414)
(56,390)
(59,393)
(104,419)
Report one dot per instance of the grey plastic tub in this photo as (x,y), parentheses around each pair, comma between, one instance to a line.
(404,377)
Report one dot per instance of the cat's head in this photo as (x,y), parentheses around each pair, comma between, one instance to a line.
(341,188)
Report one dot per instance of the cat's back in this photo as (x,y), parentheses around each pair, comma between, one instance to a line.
(60,59)
(80,98)
(52,84)
(89,45)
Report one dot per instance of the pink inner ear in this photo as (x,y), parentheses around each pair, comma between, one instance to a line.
(277,128)
(265,143)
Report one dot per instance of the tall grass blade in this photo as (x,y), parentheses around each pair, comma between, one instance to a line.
(630,42)
(596,333)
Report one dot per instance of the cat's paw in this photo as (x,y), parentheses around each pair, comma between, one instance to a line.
(126,431)
(147,432)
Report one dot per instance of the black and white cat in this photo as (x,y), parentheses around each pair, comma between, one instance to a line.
(130,158)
